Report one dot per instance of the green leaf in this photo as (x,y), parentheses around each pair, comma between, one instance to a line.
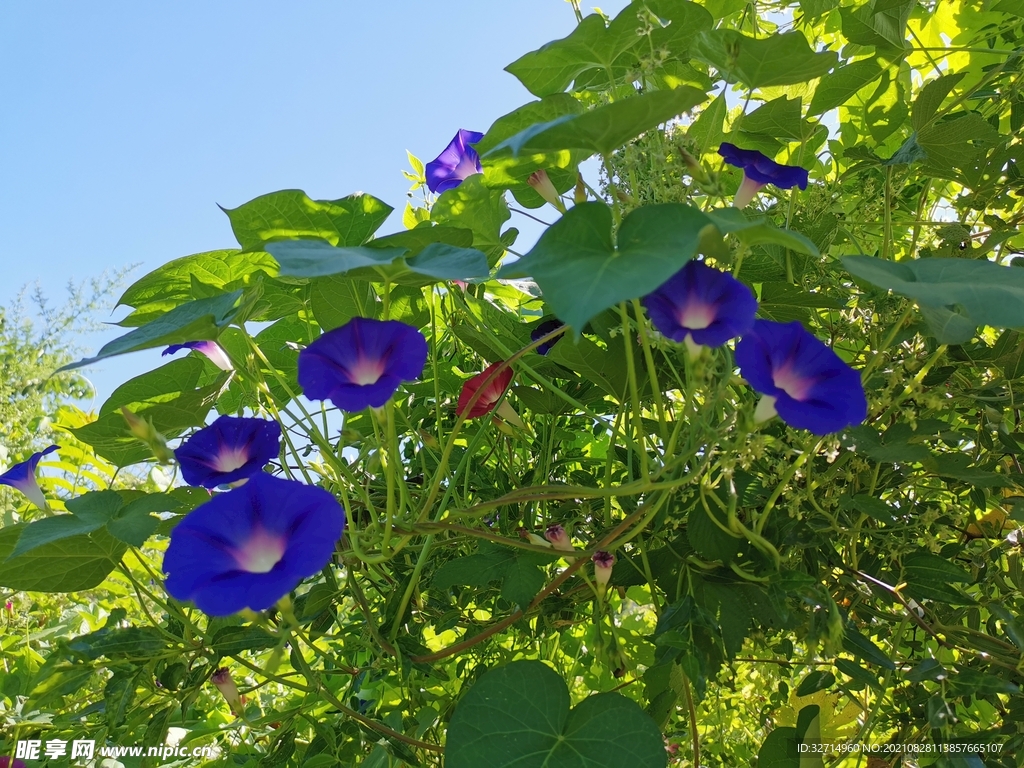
(948,326)
(519,572)
(682,21)
(170,397)
(870,506)
(758,230)
(708,539)
(193,277)
(518,715)
(707,130)
(758,63)
(551,68)
(482,210)
(815,681)
(956,143)
(447,262)
(512,173)
(228,641)
(988,293)
(199,320)
(861,647)
(336,299)
(66,565)
(605,128)
(909,152)
(779,118)
(779,749)
(879,24)
(316,258)
(842,84)
(582,273)
(290,215)
(605,367)
(930,98)
(118,695)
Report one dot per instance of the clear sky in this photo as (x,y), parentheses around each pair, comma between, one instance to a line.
(124,124)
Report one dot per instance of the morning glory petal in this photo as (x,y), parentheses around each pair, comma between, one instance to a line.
(457,162)
(228,450)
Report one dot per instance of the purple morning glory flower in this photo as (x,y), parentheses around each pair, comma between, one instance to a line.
(211,349)
(759,170)
(251,546)
(361,364)
(228,450)
(701,306)
(543,330)
(457,162)
(802,380)
(23,477)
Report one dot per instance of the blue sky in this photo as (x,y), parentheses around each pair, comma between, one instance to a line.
(126,123)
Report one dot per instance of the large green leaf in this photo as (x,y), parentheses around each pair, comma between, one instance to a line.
(757,63)
(317,258)
(518,716)
(956,143)
(988,293)
(605,128)
(512,173)
(551,68)
(580,270)
(482,210)
(880,23)
(193,277)
(174,397)
(199,320)
(518,571)
(69,564)
(834,90)
(290,215)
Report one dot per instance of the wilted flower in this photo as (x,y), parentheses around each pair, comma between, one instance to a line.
(481,393)
(603,562)
(802,380)
(701,306)
(226,685)
(543,330)
(362,363)
(211,349)
(458,161)
(23,477)
(251,546)
(541,183)
(228,450)
(759,170)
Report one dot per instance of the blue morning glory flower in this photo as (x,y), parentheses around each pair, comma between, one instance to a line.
(701,306)
(362,363)
(251,546)
(543,330)
(457,162)
(211,349)
(759,170)
(229,450)
(802,380)
(23,477)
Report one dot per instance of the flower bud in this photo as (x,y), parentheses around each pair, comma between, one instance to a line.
(603,562)
(542,184)
(226,685)
(579,194)
(559,538)
(536,540)
(146,432)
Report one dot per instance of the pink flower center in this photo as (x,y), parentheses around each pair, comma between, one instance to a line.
(366,371)
(697,316)
(260,553)
(231,459)
(791,383)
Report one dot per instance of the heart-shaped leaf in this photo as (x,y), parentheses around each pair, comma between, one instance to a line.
(518,715)
(315,258)
(199,320)
(605,128)
(757,63)
(580,270)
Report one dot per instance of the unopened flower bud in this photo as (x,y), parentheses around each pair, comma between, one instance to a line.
(542,184)
(559,538)
(146,432)
(226,685)
(603,562)
(539,541)
(579,194)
